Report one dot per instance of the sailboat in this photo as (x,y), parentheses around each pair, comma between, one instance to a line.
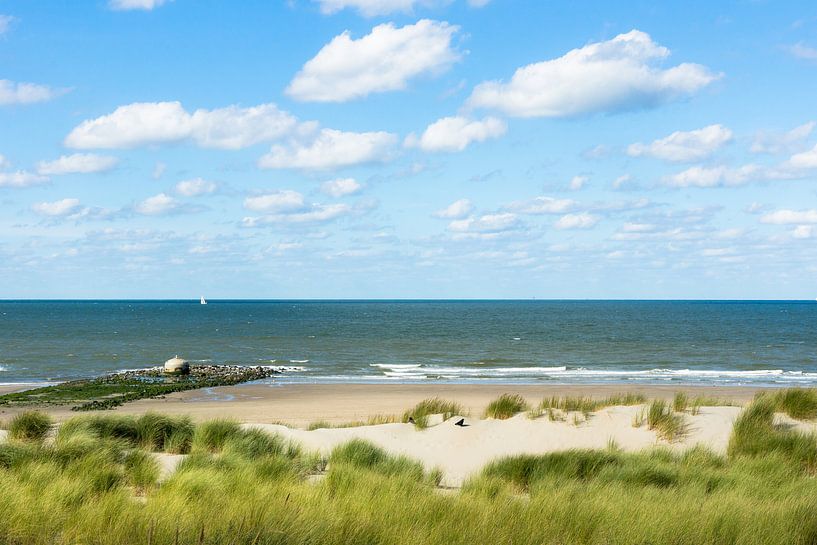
(203,301)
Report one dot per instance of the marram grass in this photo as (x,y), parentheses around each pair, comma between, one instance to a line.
(506,406)
(420,412)
(29,426)
(242,486)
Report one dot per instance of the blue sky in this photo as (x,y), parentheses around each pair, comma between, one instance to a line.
(408,149)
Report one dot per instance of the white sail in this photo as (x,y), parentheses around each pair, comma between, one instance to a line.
(203,301)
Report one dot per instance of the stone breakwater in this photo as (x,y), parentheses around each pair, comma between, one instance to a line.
(115,389)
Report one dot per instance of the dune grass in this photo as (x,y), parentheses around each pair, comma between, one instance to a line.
(420,412)
(506,406)
(755,434)
(667,424)
(243,486)
(29,426)
(798,403)
(584,405)
(151,431)
(371,421)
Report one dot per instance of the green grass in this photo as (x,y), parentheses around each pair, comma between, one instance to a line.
(428,407)
(29,426)
(667,424)
(584,405)
(755,434)
(506,406)
(371,421)
(680,402)
(241,486)
(799,403)
(152,431)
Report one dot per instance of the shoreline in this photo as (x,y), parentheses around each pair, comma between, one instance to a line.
(300,404)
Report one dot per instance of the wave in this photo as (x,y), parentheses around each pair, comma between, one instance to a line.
(298,361)
(3,368)
(582,374)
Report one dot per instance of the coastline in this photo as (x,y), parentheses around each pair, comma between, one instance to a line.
(300,404)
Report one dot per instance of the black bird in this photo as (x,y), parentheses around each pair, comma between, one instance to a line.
(461,423)
(411,420)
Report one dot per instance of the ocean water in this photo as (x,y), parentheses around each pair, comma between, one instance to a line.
(663,342)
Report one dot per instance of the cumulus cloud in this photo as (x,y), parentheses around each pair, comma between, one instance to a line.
(723,176)
(486,224)
(276,201)
(195,187)
(773,143)
(456,210)
(373,8)
(802,51)
(577,182)
(804,160)
(803,231)
(5,23)
(620,74)
(21,178)
(78,163)
(24,93)
(127,5)
(576,221)
(542,205)
(684,147)
(790,217)
(151,123)
(383,60)
(314,213)
(341,187)
(331,149)
(157,205)
(63,207)
(456,133)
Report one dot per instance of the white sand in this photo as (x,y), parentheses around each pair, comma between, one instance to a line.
(460,452)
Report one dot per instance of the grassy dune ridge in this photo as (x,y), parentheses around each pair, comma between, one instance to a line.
(96,482)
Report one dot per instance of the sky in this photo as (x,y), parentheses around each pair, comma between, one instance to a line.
(408,149)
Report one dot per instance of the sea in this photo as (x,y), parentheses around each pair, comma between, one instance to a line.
(769,343)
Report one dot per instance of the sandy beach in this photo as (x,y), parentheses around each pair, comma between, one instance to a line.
(300,404)
(457,451)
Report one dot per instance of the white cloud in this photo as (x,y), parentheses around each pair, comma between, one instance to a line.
(62,207)
(340,187)
(316,213)
(577,182)
(766,142)
(78,163)
(620,74)
(150,123)
(24,93)
(5,23)
(576,221)
(21,178)
(456,210)
(331,149)
(803,231)
(456,133)
(478,3)
(542,205)
(195,187)
(683,147)
(4,163)
(372,8)
(487,224)
(126,5)
(622,181)
(802,51)
(157,205)
(383,60)
(158,170)
(790,217)
(806,159)
(276,201)
(722,176)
